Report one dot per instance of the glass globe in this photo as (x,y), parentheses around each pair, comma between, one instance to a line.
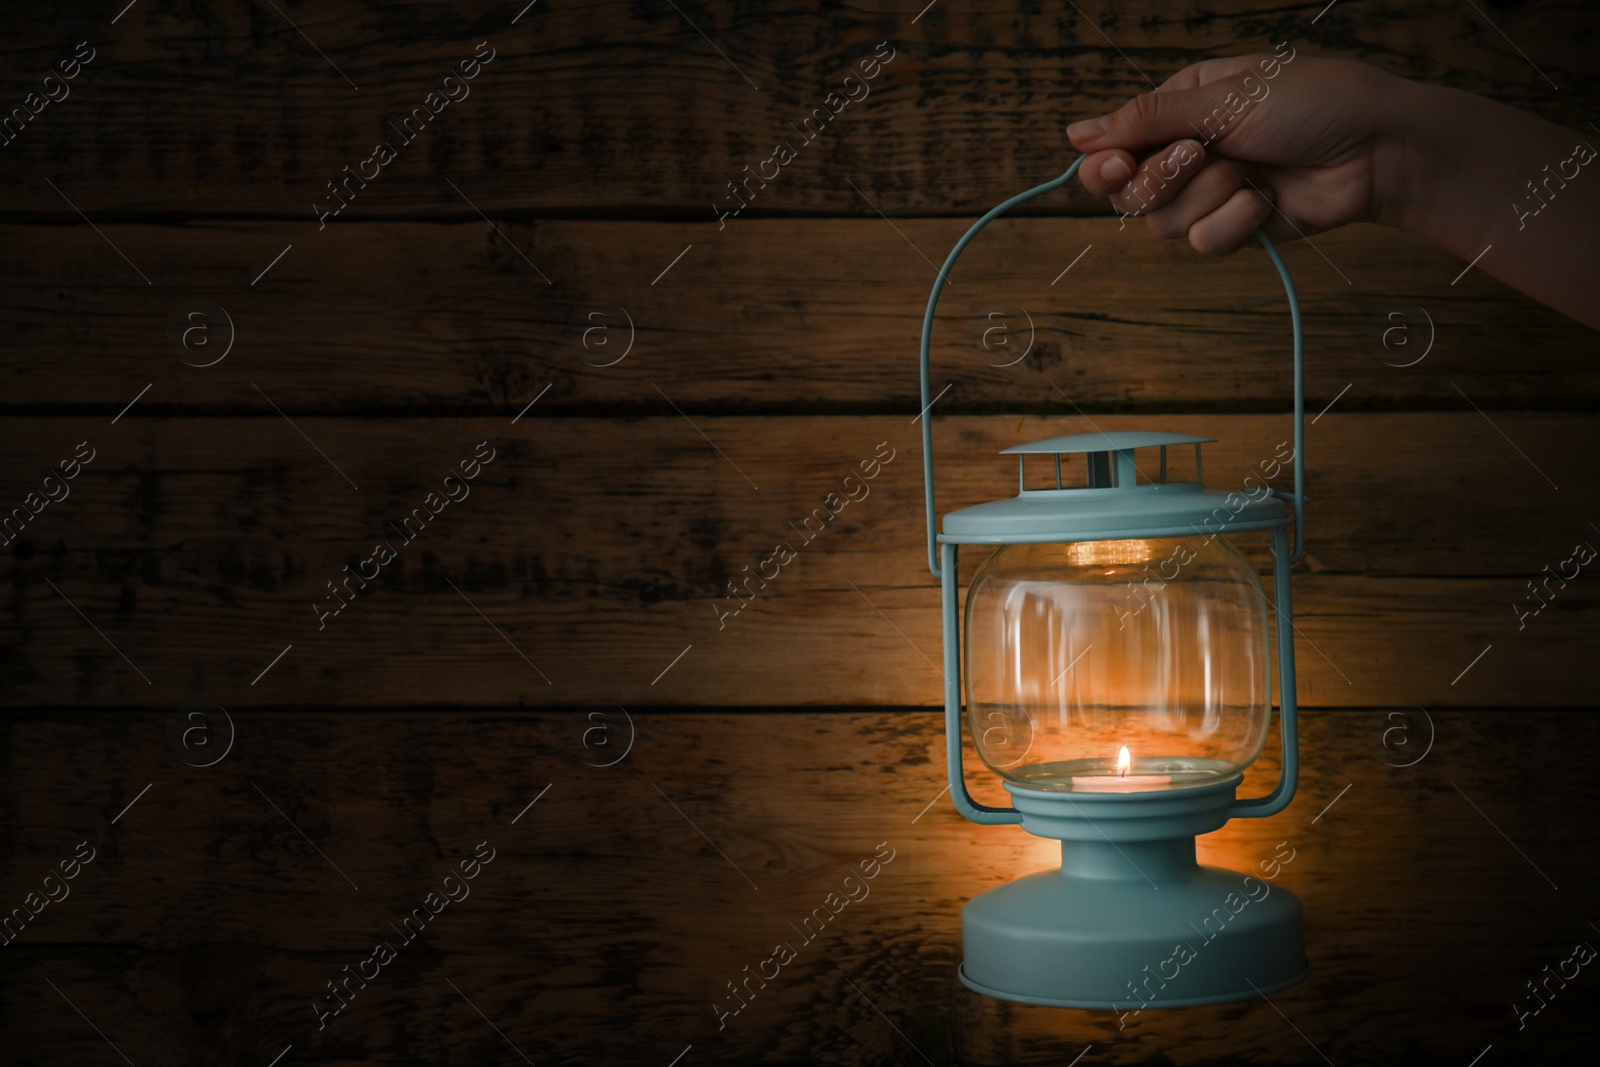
(1118,666)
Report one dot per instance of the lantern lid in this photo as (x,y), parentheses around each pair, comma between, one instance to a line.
(1115,503)
(1074,443)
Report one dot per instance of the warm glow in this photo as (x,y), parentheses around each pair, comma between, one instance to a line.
(1124,762)
(1108,553)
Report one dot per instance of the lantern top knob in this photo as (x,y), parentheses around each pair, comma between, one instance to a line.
(1114,441)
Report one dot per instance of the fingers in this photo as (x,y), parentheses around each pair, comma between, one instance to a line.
(1228,227)
(1207,191)
(1180,194)
(1149,121)
(1103,173)
(1179,191)
(1214,89)
(1159,179)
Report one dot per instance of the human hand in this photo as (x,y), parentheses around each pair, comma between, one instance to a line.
(1292,144)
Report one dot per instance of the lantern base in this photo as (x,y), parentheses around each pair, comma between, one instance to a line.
(1131,926)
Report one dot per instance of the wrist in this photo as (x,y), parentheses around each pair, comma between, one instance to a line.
(1418,164)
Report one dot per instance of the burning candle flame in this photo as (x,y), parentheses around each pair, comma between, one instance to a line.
(1124,762)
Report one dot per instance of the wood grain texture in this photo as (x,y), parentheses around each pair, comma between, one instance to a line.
(760,760)
(783,316)
(246,110)
(590,553)
(607,924)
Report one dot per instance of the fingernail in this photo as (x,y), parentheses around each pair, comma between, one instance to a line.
(1087,130)
(1115,170)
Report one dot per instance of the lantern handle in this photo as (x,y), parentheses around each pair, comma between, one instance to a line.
(1298,497)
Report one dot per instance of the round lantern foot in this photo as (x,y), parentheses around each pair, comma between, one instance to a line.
(1133,926)
(1128,1010)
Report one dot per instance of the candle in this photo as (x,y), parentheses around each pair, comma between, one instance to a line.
(1122,781)
(1119,784)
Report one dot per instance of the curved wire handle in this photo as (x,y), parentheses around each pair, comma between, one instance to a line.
(1298,498)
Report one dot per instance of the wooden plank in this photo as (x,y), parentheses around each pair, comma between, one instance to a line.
(606,926)
(590,554)
(766,317)
(652,110)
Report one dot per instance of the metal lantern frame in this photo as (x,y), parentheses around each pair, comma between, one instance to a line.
(1068,941)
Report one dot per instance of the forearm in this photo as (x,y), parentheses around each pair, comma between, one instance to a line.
(1471,174)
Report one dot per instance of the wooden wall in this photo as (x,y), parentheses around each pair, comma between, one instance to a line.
(663,394)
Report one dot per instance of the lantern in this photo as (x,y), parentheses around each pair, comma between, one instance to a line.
(1116,668)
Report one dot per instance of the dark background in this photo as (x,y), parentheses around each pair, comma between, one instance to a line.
(695,388)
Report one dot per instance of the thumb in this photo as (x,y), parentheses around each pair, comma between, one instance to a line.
(1154,120)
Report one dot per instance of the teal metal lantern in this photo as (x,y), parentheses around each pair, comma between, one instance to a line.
(1116,671)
